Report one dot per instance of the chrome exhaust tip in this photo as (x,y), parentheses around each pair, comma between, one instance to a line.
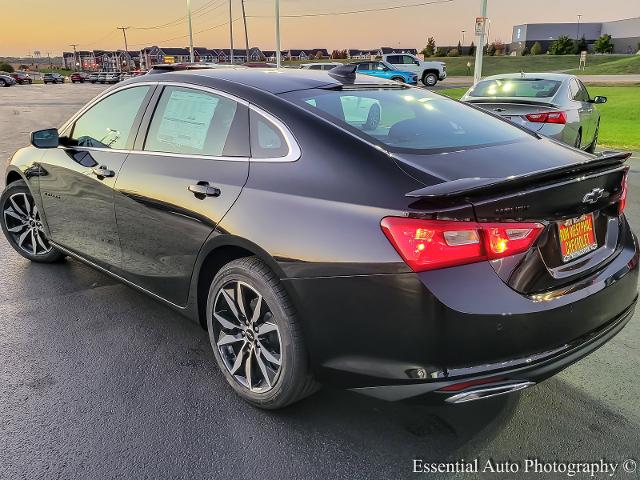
(487,392)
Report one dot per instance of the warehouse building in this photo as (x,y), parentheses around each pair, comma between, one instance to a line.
(625,34)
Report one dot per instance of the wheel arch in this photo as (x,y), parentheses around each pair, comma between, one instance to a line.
(219,250)
(12,176)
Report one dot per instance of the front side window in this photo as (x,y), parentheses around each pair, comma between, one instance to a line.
(408,60)
(407,120)
(108,123)
(194,122)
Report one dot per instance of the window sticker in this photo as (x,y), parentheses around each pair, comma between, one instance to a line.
(186,119)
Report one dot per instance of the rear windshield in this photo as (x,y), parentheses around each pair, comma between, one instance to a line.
(407,120)
(516,87)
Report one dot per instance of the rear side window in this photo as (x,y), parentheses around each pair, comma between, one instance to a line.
(194,122)
(108,123)
(267,140)
(394,59)
(516,87)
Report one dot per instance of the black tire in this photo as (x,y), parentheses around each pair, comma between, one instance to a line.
(3,83)
(398,79)
(594,143)
(18,189)
(430,79)
(291,380)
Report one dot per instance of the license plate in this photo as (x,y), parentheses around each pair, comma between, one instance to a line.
(577,237)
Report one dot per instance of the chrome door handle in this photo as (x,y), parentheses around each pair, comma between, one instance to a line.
(103,172)
(203,189)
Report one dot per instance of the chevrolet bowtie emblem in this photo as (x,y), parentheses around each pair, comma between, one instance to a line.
(594,195)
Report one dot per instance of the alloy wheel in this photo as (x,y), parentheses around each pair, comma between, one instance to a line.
(22,220)
(246,336)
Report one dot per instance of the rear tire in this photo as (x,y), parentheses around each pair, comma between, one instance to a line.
(262,355)
(3,83)
(430,79)
(22,225)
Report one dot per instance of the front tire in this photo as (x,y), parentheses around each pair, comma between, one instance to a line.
(594,143)
(256,337)
(22,225)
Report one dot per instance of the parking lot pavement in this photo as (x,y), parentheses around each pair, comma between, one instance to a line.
(100,381)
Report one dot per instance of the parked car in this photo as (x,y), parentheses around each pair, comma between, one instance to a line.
(79,77)
(386,70)
(429,72)
(52,78)
(259,65)
(6,80)
(22,78)
(320,65)
(333,227)
(93,77)
(553,104)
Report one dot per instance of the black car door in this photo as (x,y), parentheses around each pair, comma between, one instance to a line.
(189,166)
(78,177)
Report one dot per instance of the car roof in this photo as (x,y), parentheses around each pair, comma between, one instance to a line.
(561,77)
(272,80)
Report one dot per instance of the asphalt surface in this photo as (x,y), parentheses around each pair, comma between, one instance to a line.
(100,381)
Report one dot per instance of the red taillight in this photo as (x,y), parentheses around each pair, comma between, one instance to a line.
(547,117)
(431,244)
(623,196)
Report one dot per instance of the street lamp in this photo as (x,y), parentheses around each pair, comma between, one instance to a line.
(278,59)
(578,32)
(463,32)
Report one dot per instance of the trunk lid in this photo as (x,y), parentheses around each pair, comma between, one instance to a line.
(515,109)
(576,186)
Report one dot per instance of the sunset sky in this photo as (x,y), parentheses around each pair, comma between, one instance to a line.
(50,26)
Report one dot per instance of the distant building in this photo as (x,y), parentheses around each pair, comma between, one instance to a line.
(625,34)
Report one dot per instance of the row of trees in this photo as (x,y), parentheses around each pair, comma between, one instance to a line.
(562,46)
(431,50)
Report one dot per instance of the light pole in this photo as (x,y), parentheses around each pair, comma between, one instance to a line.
(477,73)
(463,32)
(75,56)
(231,30)
(578,32)
(192,58)
(278,59)
(246,33)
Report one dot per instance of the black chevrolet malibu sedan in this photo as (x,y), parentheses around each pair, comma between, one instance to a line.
(331,228)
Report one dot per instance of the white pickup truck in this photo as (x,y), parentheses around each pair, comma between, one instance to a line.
(428,72)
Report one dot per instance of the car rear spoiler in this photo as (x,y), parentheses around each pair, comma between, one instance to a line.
(470,187)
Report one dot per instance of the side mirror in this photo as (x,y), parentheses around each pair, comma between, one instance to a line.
(599,99)
(48,138)
(417,62)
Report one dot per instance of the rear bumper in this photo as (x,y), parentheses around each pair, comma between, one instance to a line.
(532,369)
(401,335)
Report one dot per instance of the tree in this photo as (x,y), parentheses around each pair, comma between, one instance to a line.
(525,51)
(5,67)
(440,52)
(318,55)
(603,44)
(536,49)
(459,47)
(582,45)
(472,49)
(430,49)
(562,46)
(454,52)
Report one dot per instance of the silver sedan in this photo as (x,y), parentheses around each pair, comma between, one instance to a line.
(553,104)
